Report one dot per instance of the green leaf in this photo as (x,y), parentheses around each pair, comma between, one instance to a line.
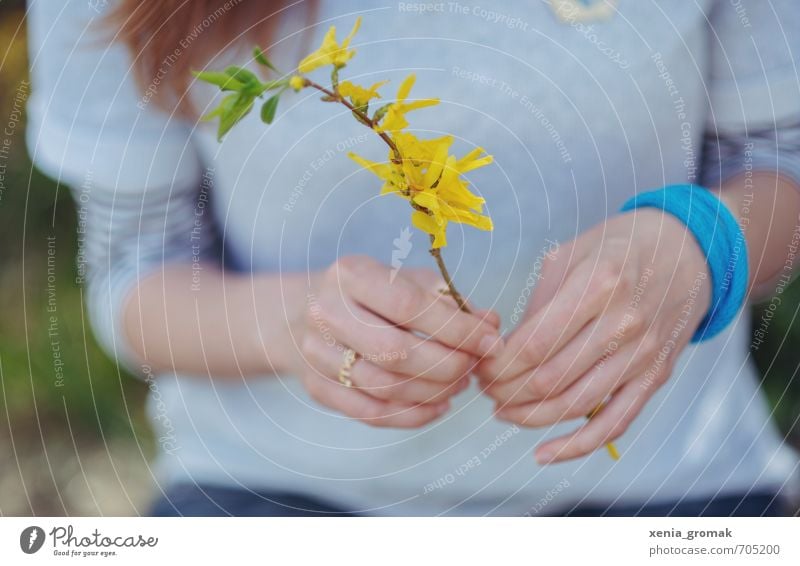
(380,113)
(226,103)
(361,119)
(233,112)
(272,85)
(222,80)
(242,75)
(261,58)
(269,108)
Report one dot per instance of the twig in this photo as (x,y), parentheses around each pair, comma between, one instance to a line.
(370,123)
(437,255)
(361,115)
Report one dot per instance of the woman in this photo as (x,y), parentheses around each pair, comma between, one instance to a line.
(238,277)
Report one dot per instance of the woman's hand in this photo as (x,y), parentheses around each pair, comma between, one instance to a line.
(415,348)
(612,312)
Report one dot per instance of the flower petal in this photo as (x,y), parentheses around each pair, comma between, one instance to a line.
(436,165)
(405,87)
(349,38)
(427,200)
(428,225)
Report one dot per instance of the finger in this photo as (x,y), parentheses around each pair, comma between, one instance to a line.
(395,349)
(491,317)
(433,281)
(374,412)
(596,342)
(540,337)
(583,396)
(416,307)
(607,425)
(556,260)
(381,384)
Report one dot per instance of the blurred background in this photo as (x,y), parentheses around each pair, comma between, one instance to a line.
(73,438)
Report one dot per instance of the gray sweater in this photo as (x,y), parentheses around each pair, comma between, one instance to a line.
(579,115)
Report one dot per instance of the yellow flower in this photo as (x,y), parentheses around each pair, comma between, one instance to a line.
(391,174)
(415,149)
(359,95)
(395,119)
(330,52)
(432,180)
(297,82)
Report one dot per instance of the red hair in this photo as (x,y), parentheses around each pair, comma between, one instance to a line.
(163,37)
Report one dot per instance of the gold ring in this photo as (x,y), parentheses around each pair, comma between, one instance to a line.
(348,360)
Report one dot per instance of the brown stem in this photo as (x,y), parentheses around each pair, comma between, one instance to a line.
(362,116)
(451,288)
(369,122)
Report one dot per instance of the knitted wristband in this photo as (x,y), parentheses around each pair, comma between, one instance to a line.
(721,239)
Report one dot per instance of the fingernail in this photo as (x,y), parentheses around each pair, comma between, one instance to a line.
(544,456)
(490,345)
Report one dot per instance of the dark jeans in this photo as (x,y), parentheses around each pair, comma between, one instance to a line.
(213,501)
(190,500)
(750,505)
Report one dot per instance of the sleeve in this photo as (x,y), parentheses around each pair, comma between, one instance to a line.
(753,89)
(138,183)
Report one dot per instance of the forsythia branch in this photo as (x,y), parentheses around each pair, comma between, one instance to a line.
(421,171)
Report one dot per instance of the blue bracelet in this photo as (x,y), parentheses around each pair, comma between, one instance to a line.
(722,242)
